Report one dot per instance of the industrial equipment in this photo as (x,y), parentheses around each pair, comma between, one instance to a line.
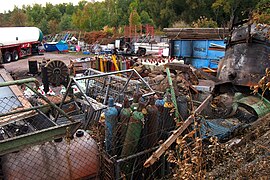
(57,72)
(246,56)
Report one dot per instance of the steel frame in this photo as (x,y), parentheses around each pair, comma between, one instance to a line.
(19,142)
(94,111)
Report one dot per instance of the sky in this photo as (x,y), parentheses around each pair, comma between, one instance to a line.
(9,4)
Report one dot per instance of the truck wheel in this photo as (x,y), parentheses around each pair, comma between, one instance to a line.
(7,57)
(15,55)
(141,52)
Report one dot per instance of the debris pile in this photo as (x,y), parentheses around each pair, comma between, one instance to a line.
(97,36)
(146,118)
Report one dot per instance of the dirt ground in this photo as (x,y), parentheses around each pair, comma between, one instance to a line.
(21,67)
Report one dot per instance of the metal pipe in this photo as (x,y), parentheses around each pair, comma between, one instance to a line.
(19,82)
(86,98)
(143,80)
(125,86)
(64,98)
(144,95)
(99,72)
(137,154)
(27,140)
(117,171)
(173,94)
(103,74)
(107,91)
(23,110)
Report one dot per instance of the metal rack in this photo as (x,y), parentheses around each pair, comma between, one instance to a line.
(96,87)
(23,124)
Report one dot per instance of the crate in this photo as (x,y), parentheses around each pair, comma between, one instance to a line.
(77,67)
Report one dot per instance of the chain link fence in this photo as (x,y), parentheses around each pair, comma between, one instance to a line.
(82,137)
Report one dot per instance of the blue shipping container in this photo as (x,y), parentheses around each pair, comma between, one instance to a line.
(197,52)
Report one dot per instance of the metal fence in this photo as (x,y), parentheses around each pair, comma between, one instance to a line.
(78,136)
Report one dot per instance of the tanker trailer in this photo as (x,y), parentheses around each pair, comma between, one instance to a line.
(17,42)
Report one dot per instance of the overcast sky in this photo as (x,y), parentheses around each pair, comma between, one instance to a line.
(9,4)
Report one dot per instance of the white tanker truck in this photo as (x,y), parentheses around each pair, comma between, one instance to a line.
(17,42)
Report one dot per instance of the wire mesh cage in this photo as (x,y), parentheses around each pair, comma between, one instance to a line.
(81,136)
(38,140)
(133,132)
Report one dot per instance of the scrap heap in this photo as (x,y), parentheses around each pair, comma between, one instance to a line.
(144,123)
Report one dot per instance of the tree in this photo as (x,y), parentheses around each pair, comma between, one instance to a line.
(54,14)
(262,12)
(18,17)
(53,26)
(145,18)
(134,18)
(81,4)
(233,9)
(77,20)
(65,23)
(35,14)
(70,9)
(43,26)
(5,20)
(204,22)
(61,8)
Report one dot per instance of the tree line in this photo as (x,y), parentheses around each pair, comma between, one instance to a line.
(89,16)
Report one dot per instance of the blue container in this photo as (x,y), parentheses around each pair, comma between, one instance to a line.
(200,49)
(50,46)
(183,48)
(86,52)
(197,52)
(62,47)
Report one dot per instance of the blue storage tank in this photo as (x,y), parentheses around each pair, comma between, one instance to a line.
(50,46)
(199,53)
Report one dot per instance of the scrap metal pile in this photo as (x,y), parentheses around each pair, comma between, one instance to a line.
(150,122)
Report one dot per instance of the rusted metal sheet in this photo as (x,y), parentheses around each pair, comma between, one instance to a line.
(246,57)
(258,104)
(196,33)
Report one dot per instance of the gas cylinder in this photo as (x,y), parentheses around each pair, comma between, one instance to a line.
(105,65)
(112,66)
(133,132)
(124,64)
(182,104)
(127,63)
(111,115)
(151,124)
(125,115)
(97,63)
(101,64)
(160,105)
(167,117)
(77,158)
(132,138)
(109,65)
(119,63)
(134,106)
